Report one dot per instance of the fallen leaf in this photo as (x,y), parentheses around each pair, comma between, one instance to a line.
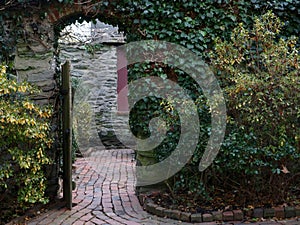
(284,169)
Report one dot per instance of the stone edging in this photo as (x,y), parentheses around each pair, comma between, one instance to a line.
(233,215)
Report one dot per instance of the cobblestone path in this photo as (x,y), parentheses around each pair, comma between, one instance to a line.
(105,194)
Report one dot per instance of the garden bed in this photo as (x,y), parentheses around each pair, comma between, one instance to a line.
(161,204)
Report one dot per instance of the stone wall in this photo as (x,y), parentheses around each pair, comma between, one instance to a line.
(34,62)
(95,75)
(34,58)
(33,50)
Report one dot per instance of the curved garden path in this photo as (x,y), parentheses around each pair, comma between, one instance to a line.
(105,194)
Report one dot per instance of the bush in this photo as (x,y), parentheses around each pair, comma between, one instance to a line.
(259,72)
(258,162)
(25,137)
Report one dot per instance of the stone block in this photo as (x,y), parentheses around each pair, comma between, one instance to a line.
(269,213)
(297,211)
(206,217)
(217,215)
(173,214)
(249,213)
(176,214)
(238,215)
(159,211)
(258,213)
(289,212)
(279,212)
(185,216)
(228,216)
(167,213)
(150,207)
(141,198)
(196,218)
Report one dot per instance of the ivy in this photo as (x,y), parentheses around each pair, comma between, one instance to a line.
(195,25)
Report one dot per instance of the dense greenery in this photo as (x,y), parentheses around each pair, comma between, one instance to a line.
(258,161)
(261,142)
(193,24)
(265,129)
(260,76)
(25,139)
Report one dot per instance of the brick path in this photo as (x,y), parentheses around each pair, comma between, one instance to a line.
(105,194)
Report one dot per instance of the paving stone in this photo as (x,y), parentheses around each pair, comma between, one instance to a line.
(87,217)
(258,213)
(293,222)
(209,223)
(279,212)
(159,211)
(176,214)
(206,217)
(228,216)
(289,212)
(217,215)
(238,215)
(297,211)
(150,207)
(269,213)
(116,166)
(97,221)
(173,214)
(78,222)
(185,217)
(197,217)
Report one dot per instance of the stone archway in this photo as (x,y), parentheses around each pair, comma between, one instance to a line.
(36,61)
(93,53)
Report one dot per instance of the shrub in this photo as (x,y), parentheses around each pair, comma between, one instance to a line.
(259,72)
(258,161)
(25,136)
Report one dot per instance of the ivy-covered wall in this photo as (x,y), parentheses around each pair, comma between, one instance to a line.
(30,27)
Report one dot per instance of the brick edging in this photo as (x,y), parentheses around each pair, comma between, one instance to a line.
(231,215)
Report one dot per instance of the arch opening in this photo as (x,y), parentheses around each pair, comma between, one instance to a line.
(91,47)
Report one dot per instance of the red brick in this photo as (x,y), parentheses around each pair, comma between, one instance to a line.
(238,215)
(228,216)
(207,217)
(279,212)
(196,218)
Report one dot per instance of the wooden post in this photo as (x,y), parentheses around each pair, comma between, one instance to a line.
(67,135)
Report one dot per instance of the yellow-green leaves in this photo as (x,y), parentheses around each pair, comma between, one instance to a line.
(260,75)
(25,137)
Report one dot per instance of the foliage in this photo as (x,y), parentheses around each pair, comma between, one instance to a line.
(259,72)
(82,117)
(260,76)
(92,48)
(195,25)
(261,79)
(24,140)
(188,180)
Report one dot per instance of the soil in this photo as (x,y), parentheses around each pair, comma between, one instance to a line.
(221,201)
(11,214)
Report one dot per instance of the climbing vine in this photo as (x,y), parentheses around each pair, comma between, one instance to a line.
(193,24)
